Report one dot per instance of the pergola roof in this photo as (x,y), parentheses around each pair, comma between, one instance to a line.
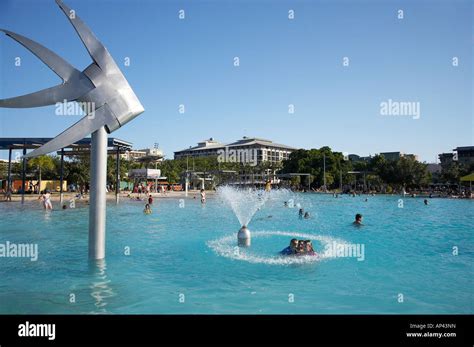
(35,142)
(294,174)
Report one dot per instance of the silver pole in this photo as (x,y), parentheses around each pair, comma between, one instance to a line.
(324,173)
(117,175)
(61,179)
(9,182)
(186,183)
(97,208)
(23,177)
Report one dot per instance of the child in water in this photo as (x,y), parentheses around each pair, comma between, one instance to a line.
(147,209)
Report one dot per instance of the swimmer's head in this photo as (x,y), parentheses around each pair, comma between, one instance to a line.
(293,243)
(358,217)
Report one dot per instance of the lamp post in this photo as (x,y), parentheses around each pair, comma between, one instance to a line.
(324,171)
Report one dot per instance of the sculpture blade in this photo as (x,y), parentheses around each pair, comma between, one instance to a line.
(96,49)
(78,131)
(49,96)
(60,66)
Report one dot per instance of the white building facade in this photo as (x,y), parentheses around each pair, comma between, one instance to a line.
(247,150)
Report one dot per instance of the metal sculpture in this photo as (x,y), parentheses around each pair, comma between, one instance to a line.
(105,96)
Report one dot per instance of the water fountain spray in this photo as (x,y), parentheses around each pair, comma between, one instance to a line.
(245,203)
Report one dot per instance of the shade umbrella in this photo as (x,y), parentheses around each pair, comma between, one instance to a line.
(468,178)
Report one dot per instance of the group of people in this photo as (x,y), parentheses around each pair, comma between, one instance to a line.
(299,247)
(149,187)
(305,247)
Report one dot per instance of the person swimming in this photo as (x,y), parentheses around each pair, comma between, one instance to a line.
(307,215)
(291,249)
(301,247)
(358,219)
(147,209)
(309,250)
(426,202)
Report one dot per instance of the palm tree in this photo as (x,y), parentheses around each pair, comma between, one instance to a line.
(40,163)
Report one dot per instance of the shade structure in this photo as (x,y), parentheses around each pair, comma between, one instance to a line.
(468,178)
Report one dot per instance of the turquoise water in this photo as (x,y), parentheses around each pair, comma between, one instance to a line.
(184,260)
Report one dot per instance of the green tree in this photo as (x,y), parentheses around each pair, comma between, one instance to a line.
(452,172)
(77,170)
(43,162)
(312,162)
(404,172)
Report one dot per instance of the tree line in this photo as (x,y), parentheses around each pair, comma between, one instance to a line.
(339,171)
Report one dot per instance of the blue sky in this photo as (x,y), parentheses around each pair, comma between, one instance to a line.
(282,62)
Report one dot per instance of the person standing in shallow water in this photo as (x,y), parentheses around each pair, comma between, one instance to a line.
(203,196)
(46,200)
(8,195)
(268,186)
